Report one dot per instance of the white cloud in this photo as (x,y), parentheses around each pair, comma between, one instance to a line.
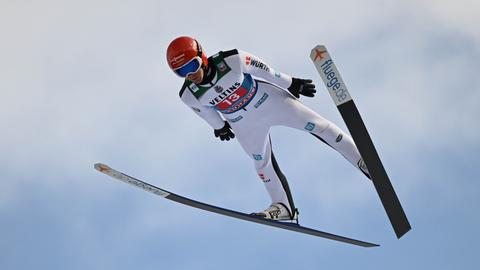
(462,16)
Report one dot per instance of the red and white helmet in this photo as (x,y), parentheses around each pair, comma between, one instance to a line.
(185,56)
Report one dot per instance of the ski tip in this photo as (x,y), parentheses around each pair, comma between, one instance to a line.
(101,167)
(318,52)
(319,47)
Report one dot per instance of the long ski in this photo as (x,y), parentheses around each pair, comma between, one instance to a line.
(222,211)
(350,114)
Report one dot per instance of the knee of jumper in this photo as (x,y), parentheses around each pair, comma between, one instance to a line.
(260,162)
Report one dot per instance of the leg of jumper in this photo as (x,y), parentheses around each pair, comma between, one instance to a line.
(256,143)
(296,115)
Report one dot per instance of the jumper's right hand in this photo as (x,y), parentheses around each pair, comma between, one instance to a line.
(224,133)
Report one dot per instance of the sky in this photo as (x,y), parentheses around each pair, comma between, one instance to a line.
(86,81)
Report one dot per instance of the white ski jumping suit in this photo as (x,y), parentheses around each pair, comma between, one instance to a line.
(243,90)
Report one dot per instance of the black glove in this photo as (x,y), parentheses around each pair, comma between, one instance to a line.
(224,133)
(302,87)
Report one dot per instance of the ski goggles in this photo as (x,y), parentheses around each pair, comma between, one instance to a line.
(191,66)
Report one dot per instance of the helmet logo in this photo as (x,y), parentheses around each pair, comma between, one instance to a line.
(177,59)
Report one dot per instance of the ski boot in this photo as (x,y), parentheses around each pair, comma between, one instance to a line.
(277,211)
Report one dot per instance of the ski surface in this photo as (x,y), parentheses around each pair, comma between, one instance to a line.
(350,114)
(222,211)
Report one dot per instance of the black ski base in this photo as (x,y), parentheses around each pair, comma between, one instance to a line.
(379,176)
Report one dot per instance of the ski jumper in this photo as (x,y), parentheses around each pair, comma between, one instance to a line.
(249,94)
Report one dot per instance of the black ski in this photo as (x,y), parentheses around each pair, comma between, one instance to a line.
(344,102)
(222,211)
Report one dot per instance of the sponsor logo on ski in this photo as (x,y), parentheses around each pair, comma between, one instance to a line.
(319,54)
(144,186)
(333,82)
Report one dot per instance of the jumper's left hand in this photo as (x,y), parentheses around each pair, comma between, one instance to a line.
(302,87)
(225,133)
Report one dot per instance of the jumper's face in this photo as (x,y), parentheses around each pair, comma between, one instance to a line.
(196,77)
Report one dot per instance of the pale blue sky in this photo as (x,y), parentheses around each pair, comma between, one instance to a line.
(86,81)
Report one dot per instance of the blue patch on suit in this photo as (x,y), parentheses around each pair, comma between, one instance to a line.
(310,126)
(257,157)
(261,100)
(236,119)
